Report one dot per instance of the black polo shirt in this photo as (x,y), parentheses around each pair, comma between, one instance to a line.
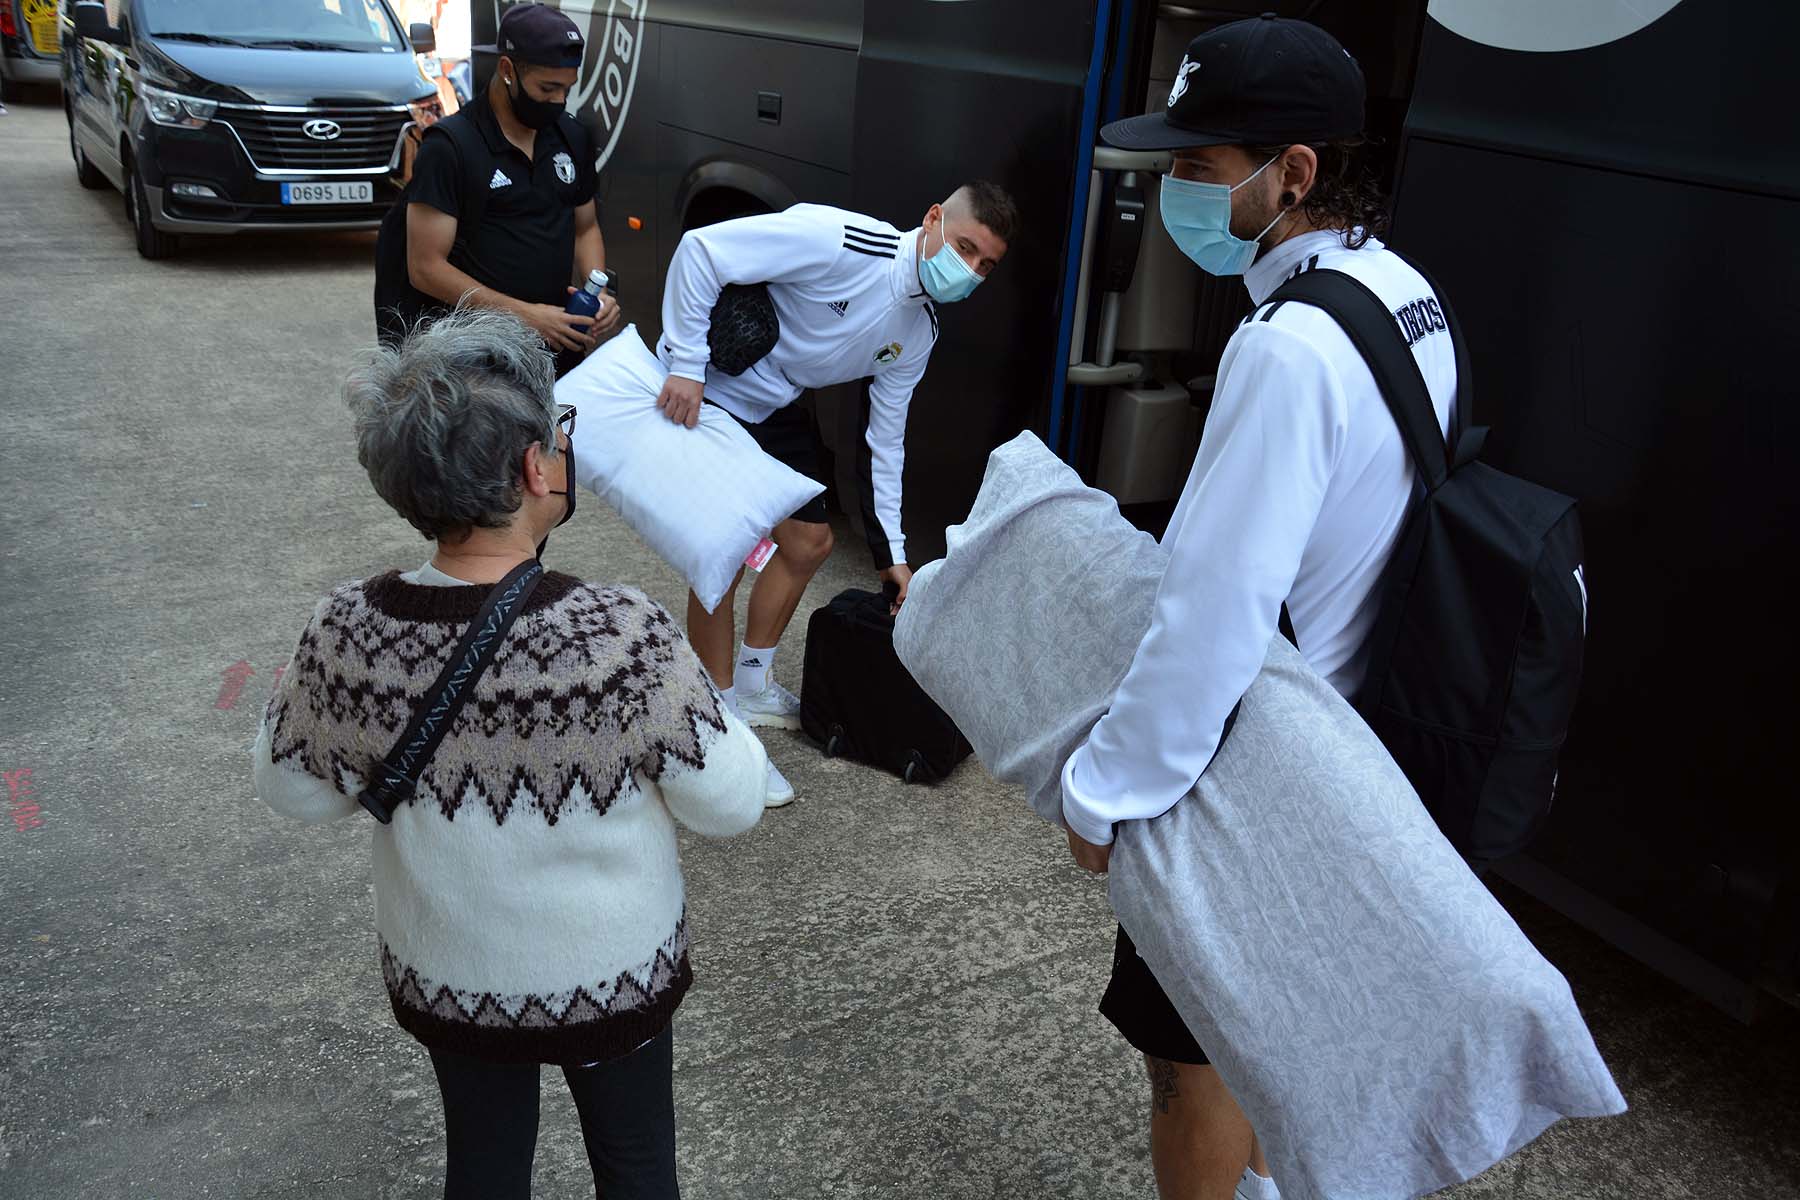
(524,243)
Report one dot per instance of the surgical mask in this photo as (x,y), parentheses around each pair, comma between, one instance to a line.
(532,112)
(1198,217)
(946,277)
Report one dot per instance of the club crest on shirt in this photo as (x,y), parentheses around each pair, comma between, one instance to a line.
(565,166)
(888,353)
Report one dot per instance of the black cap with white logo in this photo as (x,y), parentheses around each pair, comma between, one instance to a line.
(1256,82)
(537,35)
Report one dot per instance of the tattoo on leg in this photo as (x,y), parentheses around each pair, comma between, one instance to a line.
(1162,1082)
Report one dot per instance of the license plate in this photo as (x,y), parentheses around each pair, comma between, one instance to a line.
(359,192)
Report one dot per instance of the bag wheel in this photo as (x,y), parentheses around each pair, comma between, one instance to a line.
(916,770)
(834,742)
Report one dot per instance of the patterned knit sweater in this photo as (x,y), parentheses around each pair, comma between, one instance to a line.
(528,896)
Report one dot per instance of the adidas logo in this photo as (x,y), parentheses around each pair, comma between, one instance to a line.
(840,307)
(499,180)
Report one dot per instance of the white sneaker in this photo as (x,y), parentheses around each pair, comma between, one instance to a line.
(772,708)
(778,792)
(1256,1187)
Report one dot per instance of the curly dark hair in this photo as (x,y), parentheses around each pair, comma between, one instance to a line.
(1346,193)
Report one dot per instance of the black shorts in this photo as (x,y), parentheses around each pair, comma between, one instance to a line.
(1139,1008)
(787,436)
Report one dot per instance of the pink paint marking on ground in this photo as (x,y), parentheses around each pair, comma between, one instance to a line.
(233,686)
(25,814)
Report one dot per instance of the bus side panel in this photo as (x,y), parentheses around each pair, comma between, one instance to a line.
(948,93)
(1620,302)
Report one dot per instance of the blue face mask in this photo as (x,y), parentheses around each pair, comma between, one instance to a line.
(1198,217)
(945,276)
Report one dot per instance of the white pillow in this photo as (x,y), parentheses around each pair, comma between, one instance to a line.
(702,498)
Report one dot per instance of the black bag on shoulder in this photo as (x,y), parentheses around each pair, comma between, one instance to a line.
(398,304)
(857,699)
(394,780)
(743,328)
(1475,658)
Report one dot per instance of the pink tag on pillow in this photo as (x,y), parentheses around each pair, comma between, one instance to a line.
(759,557)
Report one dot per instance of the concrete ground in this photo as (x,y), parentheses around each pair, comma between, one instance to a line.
(896,985)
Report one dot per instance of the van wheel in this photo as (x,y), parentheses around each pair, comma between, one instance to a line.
(85,171)
(152,242)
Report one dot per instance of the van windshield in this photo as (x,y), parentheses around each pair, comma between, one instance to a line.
(362,25)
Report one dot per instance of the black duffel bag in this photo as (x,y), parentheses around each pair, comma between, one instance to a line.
(857,700)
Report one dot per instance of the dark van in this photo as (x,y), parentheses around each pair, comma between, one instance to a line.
(217,116)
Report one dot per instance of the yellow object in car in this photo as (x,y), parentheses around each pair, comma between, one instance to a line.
(40,18)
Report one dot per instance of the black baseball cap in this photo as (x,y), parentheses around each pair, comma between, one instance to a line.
(1255,82)
(537,35)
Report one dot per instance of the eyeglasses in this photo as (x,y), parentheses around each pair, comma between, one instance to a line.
(564,420)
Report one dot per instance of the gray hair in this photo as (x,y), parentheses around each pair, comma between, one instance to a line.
(443,418)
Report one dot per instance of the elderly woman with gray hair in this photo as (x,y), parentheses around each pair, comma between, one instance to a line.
(528,898)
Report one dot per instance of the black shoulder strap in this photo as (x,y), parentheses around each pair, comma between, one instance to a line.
(1372,329)
(399,773)
(470,147)
(575,134)
(1465,374)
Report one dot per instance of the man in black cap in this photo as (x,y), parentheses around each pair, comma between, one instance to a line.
(533,232)
(1296,497)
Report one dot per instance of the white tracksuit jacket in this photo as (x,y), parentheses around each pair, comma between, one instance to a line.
(1297,496)
(846,289)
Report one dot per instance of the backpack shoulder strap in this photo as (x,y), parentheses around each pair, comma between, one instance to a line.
(579,140)
(1371,328)
(1465,374)
(466,139)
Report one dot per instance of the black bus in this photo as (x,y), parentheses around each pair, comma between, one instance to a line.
(1600,188)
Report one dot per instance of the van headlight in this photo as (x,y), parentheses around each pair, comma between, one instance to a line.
(181,112)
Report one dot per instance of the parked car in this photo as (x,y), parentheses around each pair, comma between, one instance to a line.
(29,43)
(214,116)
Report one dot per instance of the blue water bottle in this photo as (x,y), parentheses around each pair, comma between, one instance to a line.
(586,302)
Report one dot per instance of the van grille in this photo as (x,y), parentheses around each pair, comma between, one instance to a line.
(277,141)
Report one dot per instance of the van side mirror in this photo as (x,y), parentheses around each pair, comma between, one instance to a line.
(91,24)
(423,37)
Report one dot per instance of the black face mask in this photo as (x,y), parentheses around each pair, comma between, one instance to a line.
(569,509)
(532,112)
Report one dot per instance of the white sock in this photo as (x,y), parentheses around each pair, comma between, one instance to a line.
(1257,1187)
(752,672)
(729,696)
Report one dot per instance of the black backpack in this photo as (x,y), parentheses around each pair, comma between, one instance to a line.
(398,304)
(1475,658)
